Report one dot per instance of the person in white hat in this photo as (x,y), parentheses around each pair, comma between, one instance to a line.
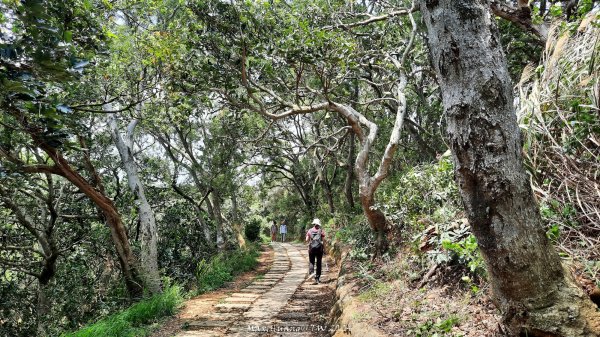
(315,237)
(283,230)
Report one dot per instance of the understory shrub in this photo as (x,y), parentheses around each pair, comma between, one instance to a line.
(212,274)
(427,205)
(424,194)
(358,235)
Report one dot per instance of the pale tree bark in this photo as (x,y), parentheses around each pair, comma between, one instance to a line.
(367,184)
(536,295)
(521,17)
(149,237)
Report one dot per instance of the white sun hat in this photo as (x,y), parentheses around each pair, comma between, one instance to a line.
(316,222)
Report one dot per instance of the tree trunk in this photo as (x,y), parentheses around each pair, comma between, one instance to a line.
(377,221)
(367,184)
(110,213)
(350,171)
(321,175)
(42,308)
(237,225)
(536,296)
(216,210)
(329,196)
(149,237)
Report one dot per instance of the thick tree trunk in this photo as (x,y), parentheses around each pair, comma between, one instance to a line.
(211,215)
(111,214)
(376,219)
(149,237)
(205,228)
(367,184)
(44,303)
(536,295)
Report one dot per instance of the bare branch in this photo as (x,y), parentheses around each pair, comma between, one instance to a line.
(19,267)
(371,19)
(520,17)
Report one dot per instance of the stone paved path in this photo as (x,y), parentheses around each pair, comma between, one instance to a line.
(281,303)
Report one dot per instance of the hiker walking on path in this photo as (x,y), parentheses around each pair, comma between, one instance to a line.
(283,230)
(274,231)
(316,246)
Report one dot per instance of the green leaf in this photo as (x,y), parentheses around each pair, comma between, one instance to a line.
(16,87)
(68,36)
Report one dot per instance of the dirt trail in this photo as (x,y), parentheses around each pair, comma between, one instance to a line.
(283,302)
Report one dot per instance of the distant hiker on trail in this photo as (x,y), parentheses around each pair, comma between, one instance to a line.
(283,230)
(316,246)
(274,231)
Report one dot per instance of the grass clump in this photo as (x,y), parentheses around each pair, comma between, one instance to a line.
(135,320)
(222,268)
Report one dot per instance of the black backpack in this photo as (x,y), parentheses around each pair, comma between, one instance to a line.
(316,240)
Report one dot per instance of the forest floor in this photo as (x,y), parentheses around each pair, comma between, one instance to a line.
(277,299)
(447,305)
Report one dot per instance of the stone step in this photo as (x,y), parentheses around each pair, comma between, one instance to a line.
(232,307)
(298,316)
(200,325)
(253,291)
(205,333)
(239,299)
(245,295)
(216,316)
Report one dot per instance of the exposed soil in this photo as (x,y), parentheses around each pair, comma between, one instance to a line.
(397,307)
